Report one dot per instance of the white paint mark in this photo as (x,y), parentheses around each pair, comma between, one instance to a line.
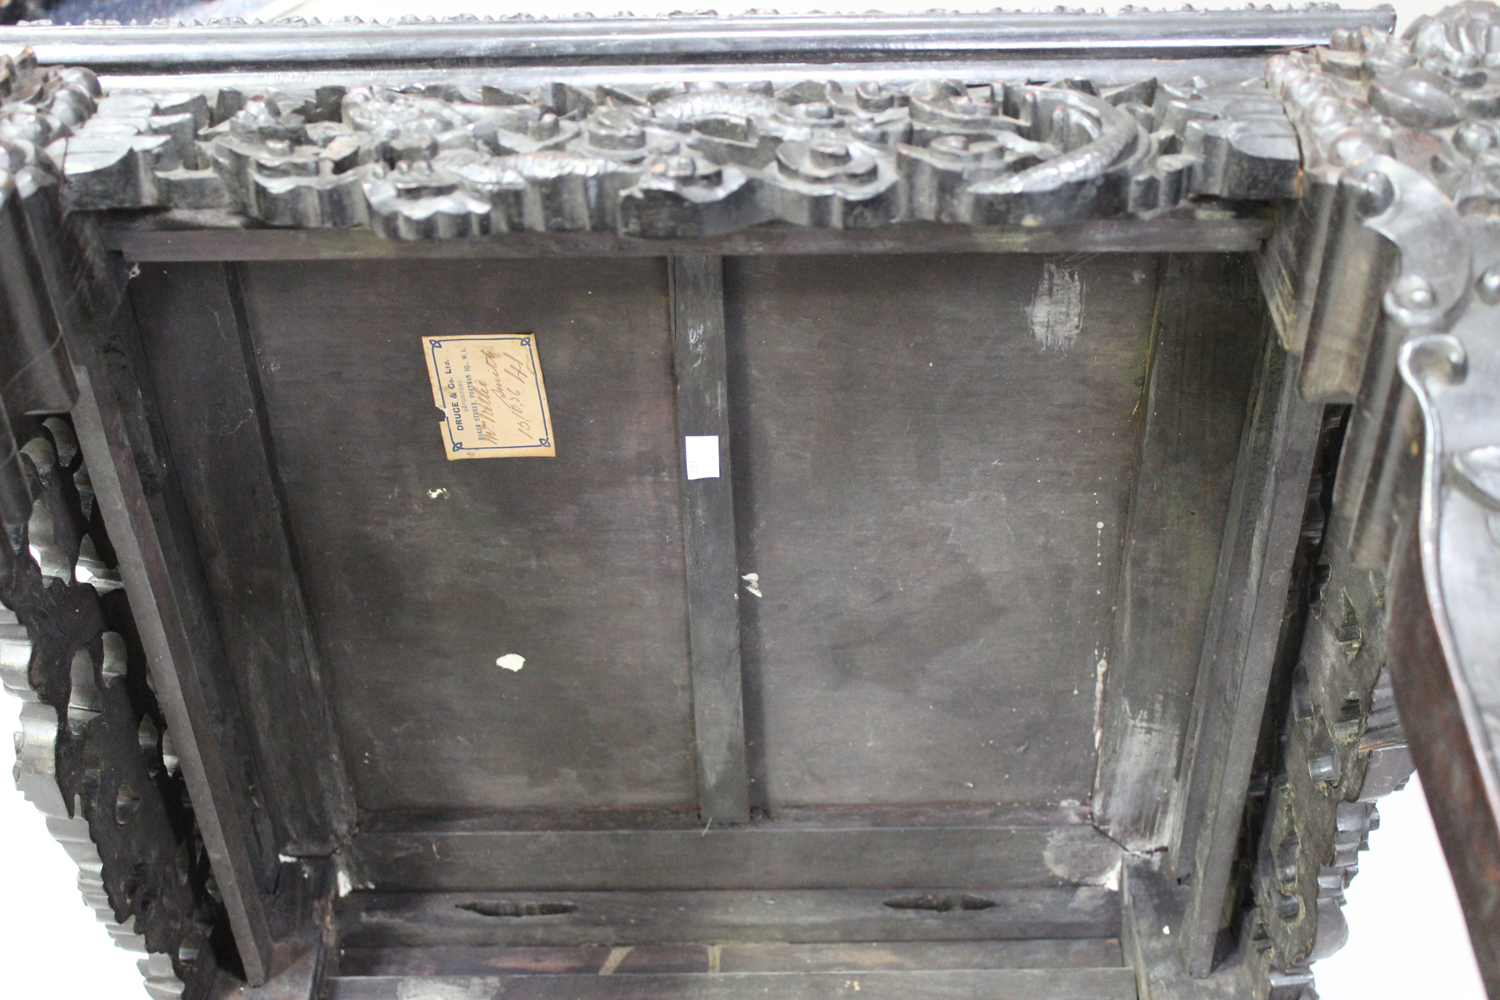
(286,859)
(439,492)
(1167,931)
(702,456)
(1056,312)
(752,583)
(1112,880)
(1146,739)
(1081,855)
(1100,669)
(616,956)
(345,885)
(472,988)
(511,662)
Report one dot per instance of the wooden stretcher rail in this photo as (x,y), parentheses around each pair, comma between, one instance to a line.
(746,857)
(993,984)
(1229,235)
(381,921)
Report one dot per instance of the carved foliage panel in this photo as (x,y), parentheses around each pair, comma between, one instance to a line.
(445,161)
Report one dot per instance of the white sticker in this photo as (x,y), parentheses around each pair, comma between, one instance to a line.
(702,456)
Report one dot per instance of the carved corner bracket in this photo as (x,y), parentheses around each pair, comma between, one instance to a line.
(1384,278)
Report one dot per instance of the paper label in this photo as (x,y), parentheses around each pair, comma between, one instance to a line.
(492,396)
(702,456)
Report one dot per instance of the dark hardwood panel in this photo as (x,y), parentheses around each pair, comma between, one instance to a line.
(967,984)
(1240,642)
(152,539)
(375,920)
(1082,953)
(210,408)
(189,235)
(933,457)
(421,572)
(1152,901)
(747,857)
(1035,954)
(697,285)
(1205,349)
(819,818)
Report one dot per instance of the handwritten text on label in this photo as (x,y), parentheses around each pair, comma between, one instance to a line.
(491,392)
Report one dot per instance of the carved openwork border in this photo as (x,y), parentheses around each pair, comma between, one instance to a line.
(443,161)
(95,754)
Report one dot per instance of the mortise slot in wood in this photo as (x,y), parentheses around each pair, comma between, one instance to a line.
(509,908)
(940,904)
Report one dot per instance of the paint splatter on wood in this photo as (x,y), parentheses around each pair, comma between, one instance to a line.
(1056,311)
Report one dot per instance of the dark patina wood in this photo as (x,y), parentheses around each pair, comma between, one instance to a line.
(763,856)
(933,459)
(988,604)
(186,662)
(995,984)
(380,921)
(206,388)
(1205,348)
(1240,643)
(1424,682)
(176,236)
(421,572)
(697,291)
(1083,953)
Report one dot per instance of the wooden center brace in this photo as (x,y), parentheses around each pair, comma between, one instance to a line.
(697,293)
